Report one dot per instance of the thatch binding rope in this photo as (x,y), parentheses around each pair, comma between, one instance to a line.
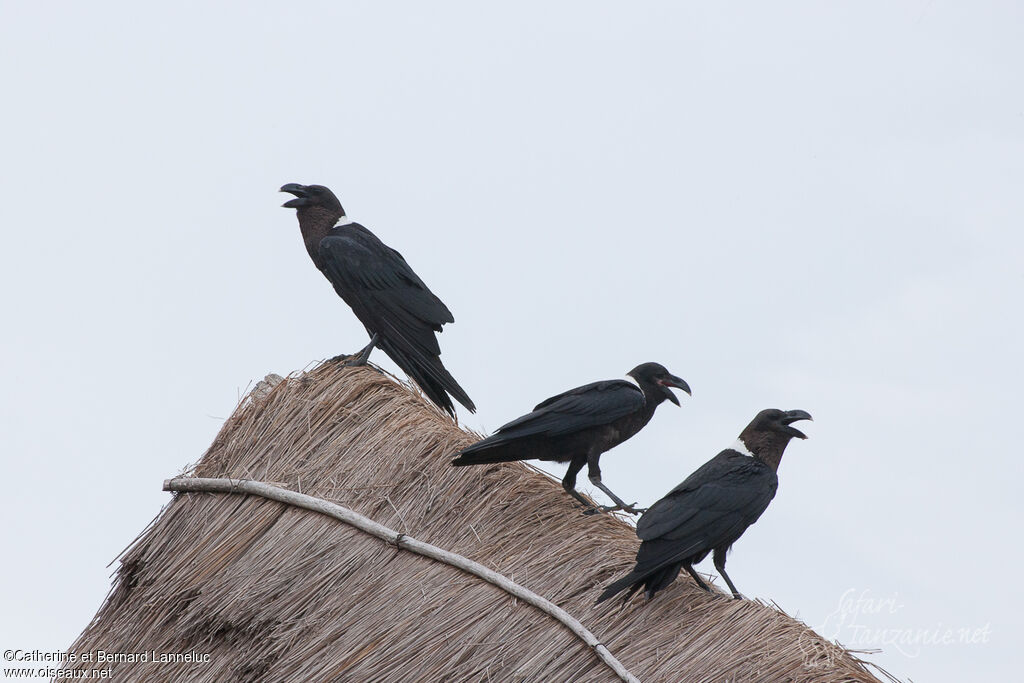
(404,542)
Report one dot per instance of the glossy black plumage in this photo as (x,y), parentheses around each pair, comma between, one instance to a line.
(711,509)
(577,426)
(399,311)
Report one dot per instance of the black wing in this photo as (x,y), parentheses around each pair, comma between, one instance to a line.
(712,508)
(393,302)
(576,410)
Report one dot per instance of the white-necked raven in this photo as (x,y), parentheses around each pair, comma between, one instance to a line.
(399,312)
(579,425)
(712,508)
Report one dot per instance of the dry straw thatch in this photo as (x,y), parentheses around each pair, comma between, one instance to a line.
(277,593)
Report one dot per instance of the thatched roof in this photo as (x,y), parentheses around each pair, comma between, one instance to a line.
(273,592)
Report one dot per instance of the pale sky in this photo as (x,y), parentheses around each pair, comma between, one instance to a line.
(796,205)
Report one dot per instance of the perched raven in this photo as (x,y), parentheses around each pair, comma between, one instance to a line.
(579,425)
(712,508)
(399,312)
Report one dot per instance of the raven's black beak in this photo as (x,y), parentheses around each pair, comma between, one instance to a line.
(300,195)
(791,417)
(678,383)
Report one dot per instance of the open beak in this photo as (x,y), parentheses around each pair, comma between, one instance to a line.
(791,417)
(678,383)
(300,195)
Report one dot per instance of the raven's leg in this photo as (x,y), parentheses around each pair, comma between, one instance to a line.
(720,566)
(594,474)
(364,355)
(569,483)
(700,581)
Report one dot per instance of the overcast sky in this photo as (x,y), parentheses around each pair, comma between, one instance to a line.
(796,205)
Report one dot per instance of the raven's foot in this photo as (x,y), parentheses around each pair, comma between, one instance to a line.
(630,509)
(588,507)
(348,360)
(738,596)
(696,577)
(364,353)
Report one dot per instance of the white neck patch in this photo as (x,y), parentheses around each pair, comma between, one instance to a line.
(344,220)
(630,378)
(741,447)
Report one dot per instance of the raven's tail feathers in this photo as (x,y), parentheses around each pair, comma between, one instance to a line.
(651,581)
(432,377)
(490,455)
(633,581)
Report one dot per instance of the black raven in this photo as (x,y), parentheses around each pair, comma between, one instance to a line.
(712,508)
(399,312)
(579,425)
